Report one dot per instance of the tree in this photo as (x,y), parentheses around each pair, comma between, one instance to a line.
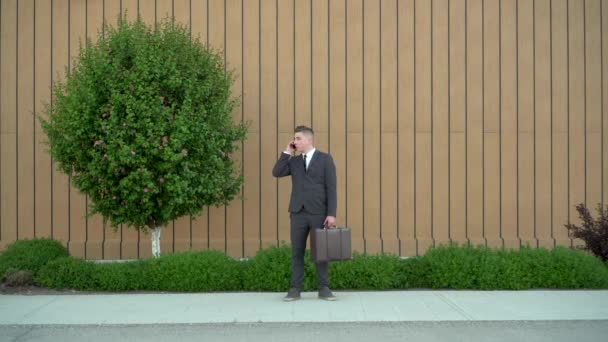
(142,124)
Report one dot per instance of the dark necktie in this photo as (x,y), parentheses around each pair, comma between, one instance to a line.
(305,166)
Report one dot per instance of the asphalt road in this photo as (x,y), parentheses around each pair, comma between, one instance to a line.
(491,331)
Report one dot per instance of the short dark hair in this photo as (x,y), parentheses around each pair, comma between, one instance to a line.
(304,129)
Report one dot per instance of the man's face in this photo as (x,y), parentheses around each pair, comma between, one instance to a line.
(303,143)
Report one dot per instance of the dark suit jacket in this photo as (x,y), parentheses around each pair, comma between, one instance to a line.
(314,189)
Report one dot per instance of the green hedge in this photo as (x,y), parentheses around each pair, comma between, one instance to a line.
(369,272)
(465,267)
(192,271)
(30,255)
(69,273)
(444,267)
(183,272)
(270,270)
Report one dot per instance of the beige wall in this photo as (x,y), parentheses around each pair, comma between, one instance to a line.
(462,120)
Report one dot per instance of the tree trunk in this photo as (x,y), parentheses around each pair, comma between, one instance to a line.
(155,237)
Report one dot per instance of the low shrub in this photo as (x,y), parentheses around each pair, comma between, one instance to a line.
(382,271)
(458,267)
(192,271)
(68,273)
(594,232)
(443,267)
(120,276)
(415,273)
(569,268)
(270,270)
(466,267)
(30,255)
(183,272)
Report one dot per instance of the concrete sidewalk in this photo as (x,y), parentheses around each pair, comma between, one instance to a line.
(388,306)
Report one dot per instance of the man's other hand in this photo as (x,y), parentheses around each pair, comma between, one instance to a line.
(330,222)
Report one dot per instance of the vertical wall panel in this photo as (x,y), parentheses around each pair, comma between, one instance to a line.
(285,106)
(526,121)
(508,123)
(559,82)
(474,133)
(130,9)
(164,9)
(576,108)
(251,107)
(78,202)
(217,214)
(234,53)
(542,108)
(457,121)
(147,11)
(491,123)
(406,129)
(302,61)
(8,124)
(268,121)
(440,122)
(320,72)
(422,117)
(388,127)
(593,103)
(337,100)
(25,120)
(371,126)
(604,33)
(198,11)
(354,129)
(42,96)
(200,223)
(95,225)
(61,187)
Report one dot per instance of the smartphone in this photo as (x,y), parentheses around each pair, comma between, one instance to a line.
(292,145)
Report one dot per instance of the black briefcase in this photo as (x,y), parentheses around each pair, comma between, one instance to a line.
(330,244)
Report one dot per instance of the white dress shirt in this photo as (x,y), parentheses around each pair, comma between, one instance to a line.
(308,156)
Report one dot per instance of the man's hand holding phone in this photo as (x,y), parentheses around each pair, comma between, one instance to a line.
(291,147)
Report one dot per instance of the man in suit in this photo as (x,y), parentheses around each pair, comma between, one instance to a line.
(312,204)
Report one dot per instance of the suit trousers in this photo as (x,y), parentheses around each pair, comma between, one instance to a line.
(301,224)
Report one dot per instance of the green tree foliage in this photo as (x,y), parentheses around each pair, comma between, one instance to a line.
(142,124)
